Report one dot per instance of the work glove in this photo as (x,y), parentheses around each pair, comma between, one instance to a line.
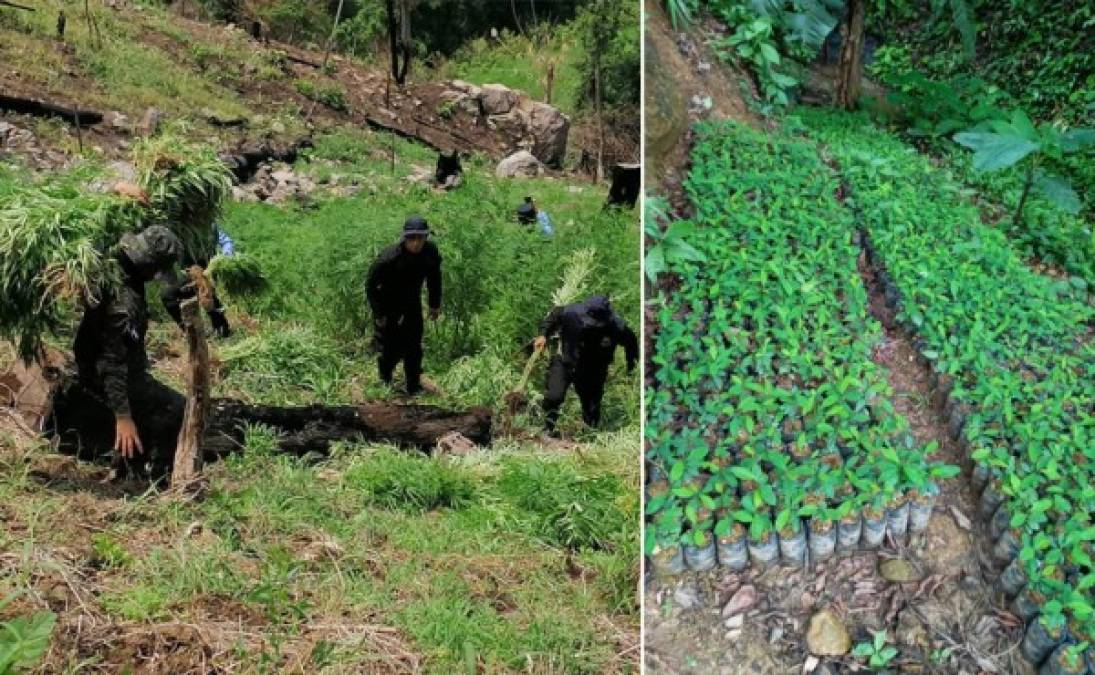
(220,324)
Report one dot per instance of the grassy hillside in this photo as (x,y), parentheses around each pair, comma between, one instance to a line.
(520,557)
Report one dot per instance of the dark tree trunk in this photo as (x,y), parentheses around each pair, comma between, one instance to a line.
(625,185)
(313,428)
(27,106)
(849,72)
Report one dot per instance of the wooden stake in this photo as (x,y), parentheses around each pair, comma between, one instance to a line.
(188,452)
(92,26)
(79,134)
(597,98)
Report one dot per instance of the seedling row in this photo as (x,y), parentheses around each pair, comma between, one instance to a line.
(1013,352)
(770,431)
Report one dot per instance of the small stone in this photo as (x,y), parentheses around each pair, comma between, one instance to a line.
(810,665)
(776,635)
(703,67)
(685,597)
(827,635)
(961,519)
(899,571)
(150,122)
(733,635)
(736,621)
(745,598)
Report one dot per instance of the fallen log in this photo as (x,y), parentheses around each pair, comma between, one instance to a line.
(8,3)
(304,429)
(302,61)
(301,429)
(37,108)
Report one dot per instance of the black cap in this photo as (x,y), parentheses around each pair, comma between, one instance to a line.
(415,225)
(599,307)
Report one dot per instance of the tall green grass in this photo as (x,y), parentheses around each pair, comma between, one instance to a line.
(498,276)
(522,62)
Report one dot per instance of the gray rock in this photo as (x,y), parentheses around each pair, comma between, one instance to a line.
(827,635)
(685,597)
(150,122)
(116,121)
(497,99)
(743,599)
(899,571)
(549,129)
(520,164)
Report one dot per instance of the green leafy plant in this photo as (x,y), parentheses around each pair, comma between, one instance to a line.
(754,42)
(108,552)
(667,248)
(446,110)
(1004,144)
(24,639)
(680,11)
(58,241)
(877,653)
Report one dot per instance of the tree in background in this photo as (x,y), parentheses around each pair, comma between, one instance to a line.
(608,31)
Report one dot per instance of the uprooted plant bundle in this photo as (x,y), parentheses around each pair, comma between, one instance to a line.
(58,239)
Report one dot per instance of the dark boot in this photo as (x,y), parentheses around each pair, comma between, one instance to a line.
(558,380)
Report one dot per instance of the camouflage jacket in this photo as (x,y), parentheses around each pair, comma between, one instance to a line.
(110,345)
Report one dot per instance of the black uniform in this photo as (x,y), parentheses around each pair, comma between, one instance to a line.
(394,292)
(589,333)
(113,380)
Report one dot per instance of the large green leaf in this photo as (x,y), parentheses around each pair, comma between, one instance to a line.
(1058,192)
(24,640)
(993,151)
(1077,139)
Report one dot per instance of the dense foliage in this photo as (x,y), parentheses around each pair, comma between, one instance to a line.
(765,409)
(1039,52)
(1012,346)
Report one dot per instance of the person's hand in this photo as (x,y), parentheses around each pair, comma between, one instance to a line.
(126,440)
(434,313)
(539,343)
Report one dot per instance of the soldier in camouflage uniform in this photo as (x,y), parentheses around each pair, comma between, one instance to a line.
(114,401)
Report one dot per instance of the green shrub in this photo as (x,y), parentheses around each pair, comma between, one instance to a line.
(24,640)
(238,274)
(333,96)
(402,481)
(568,509)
